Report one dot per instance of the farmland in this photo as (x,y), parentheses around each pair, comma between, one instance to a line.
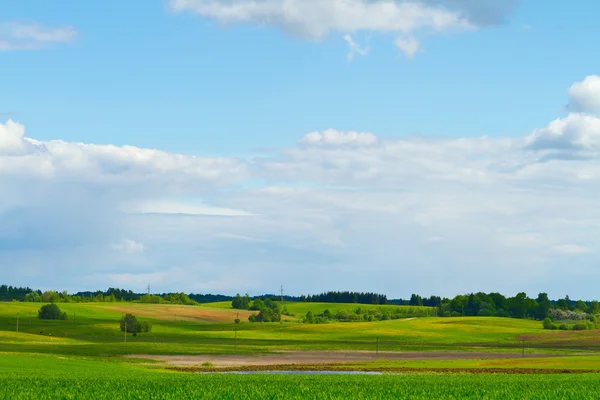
(84,354)
(49,377)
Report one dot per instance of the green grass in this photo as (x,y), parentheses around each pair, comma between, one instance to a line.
(51,377)
(195,330)
(299,309)
(77,358)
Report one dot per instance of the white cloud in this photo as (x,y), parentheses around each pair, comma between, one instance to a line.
(237,237)
(128,246)
(335,137)
(409,46)
(347,207)
(314,19)
(584,96)
(185,208)
(107,164)
(32,36)
(574,132)
(573,249)
(354,48)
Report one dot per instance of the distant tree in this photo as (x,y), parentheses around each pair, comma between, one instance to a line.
(562,304)
(415,300)
(241,303)
(594,307)
(130,324)
(310,318)
(518,305)
(543,306)
(33,297)
(580,306)
(51,311)
(257,305)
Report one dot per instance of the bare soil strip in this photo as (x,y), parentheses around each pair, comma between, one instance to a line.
(313,358)
(396,370)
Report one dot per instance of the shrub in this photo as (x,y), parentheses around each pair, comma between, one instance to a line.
(502,313)
(252,318)
(580,326)
(51,311)
(563,327)
(130,324)
(548,324)
(563,315)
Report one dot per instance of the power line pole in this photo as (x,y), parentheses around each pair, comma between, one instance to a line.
(148,289)
(281,301)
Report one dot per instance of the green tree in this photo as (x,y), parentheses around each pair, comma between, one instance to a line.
(310,318)
(241,302)
(594,307)
(130,324)
(51,311)
(581,306)
(519,305)
(543,306)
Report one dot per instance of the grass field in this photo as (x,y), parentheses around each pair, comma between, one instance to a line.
(81,356)
(92,329)
(51,377)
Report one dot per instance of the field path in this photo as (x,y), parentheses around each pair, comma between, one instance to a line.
(323,357)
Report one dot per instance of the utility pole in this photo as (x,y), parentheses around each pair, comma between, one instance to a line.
(148,289)
(281,301)
(281,292)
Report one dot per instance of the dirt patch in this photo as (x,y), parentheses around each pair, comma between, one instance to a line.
(183,313)
(322,357)
(397,370)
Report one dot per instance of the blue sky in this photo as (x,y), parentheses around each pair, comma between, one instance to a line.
(230,141)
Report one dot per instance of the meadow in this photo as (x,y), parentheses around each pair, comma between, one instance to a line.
(92,329)
(51,377)
(82,355)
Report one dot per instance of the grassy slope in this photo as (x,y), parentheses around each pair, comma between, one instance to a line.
(211,330)
(301,308)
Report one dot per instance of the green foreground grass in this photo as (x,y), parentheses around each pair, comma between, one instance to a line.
(52,377)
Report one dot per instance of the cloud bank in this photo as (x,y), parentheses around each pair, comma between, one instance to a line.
(315,19)
(33,36)
(339,210)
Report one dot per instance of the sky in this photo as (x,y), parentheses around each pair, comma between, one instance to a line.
(224,146)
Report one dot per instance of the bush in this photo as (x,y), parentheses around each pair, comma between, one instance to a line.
(563,327)
(562,315)
(548,324)
(580,326)
(130,324)
(51,311)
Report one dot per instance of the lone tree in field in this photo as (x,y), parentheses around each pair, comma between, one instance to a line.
(133,326)
(51,311)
